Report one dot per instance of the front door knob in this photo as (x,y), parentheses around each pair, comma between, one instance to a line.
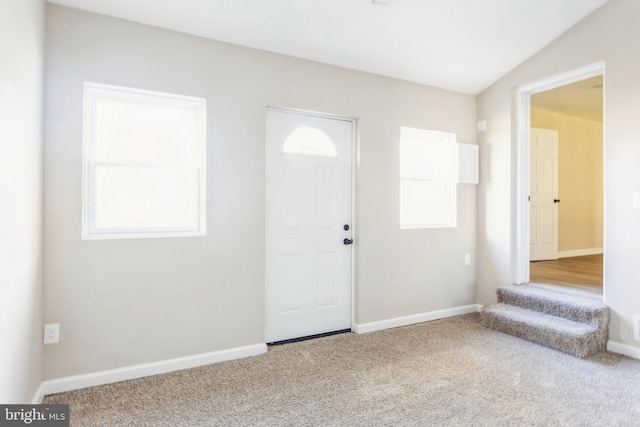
(347,241)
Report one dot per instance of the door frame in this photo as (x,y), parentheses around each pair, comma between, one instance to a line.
(355,161)
(521,124)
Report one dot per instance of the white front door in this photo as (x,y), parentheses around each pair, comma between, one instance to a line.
(543,191)
(308,225)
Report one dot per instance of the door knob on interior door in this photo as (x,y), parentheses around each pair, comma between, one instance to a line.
(347,241)
(556,200)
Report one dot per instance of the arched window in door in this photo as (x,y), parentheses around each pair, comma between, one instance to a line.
(310,141)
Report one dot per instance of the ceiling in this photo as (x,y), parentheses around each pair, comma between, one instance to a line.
(462,45)
(582,99)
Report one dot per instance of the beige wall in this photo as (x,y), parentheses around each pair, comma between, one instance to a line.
(580,180)
(21,68)
(611,34)
(125,302)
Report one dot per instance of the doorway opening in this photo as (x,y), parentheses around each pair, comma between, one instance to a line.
(560,240)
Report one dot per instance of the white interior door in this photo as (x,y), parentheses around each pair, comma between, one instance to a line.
(543,218)
(308,225)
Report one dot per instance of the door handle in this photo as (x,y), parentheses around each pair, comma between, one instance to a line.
(347,241)
(556,200)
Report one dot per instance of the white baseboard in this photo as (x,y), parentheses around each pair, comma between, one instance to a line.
(76,382)
(579,252)
(416,318)
(627,350)
(38,397)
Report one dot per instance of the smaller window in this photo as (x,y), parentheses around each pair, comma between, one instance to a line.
(428,179)
(310,141)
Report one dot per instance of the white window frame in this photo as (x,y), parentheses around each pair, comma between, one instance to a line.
(93,92)
(450,177)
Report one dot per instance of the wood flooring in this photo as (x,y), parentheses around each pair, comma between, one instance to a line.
(582,271)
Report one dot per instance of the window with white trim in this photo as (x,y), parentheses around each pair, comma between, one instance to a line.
(143,164)
(428,179)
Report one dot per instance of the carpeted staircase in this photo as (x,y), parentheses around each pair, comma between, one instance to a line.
(571,320)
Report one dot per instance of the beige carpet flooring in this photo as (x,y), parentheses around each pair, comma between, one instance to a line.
(450,372)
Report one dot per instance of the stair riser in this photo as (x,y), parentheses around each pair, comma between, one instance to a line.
(595,317)
(582,346)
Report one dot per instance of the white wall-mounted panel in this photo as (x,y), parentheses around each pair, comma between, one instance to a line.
(468,155)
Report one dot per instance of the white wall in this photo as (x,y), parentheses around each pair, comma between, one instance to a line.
(125,302)
(611,34)
(21,67)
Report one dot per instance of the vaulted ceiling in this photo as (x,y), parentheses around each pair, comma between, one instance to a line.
(462,45)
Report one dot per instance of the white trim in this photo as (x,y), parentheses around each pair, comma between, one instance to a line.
(38,397)
(520,135)
(76,382)
(520,255)
(580,252)
(311,113)
(563,79)
(355,163)
(416,318)
(627,350)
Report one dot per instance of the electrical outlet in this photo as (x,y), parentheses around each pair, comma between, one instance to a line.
(467,259)
(52,333)
(636,327)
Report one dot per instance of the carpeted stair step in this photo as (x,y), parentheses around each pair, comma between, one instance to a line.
(571,320)
(576,338)
(573,304)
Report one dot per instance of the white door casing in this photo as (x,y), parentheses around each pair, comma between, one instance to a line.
(520,247)
(308,204)
(543,189)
